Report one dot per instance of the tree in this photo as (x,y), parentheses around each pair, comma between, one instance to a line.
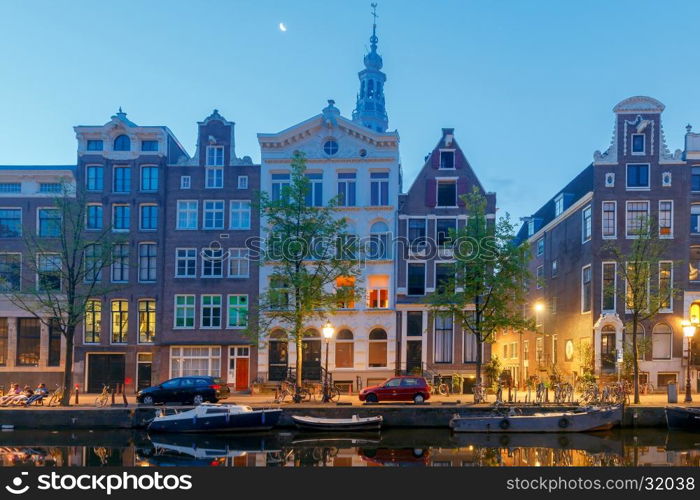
(485,293)
(314,261)
(638,260)
(68,262)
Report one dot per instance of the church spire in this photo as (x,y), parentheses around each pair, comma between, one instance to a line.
(370,109)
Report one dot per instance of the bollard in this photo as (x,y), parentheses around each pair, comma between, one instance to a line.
(112,394)
(77,391)
(126,402)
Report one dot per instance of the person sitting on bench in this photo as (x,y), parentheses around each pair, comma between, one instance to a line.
(39,394)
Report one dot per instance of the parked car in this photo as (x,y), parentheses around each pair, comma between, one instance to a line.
(397,389)
(195,390)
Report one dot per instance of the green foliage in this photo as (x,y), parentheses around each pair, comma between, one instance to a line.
(644,291)
(485,292)
(457,383)
(308,249)
(492,369)
(585,355)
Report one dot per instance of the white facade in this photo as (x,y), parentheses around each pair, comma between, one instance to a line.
(362,152)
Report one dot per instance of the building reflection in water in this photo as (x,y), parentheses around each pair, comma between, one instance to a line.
(390,449)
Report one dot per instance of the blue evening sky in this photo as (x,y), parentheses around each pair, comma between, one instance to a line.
(528,85)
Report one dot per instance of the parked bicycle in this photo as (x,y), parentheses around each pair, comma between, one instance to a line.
(102,399)
(288,390)
(479,393)
(56,396)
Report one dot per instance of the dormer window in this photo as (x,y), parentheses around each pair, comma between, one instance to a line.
(95,145)
(530,227)
(558,205)
(447,160)
(122,143)
(215,156)
(149,145)
(637,144)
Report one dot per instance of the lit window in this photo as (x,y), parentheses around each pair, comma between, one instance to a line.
(378,292)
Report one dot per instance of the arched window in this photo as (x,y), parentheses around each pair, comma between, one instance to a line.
(379,241)
(344,350)
(311,333)
(377,348)
(122,143)
(661,341)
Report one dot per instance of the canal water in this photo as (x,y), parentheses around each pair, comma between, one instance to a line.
(290,448)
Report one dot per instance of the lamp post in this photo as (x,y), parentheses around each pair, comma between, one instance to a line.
(328,332)
(688,332)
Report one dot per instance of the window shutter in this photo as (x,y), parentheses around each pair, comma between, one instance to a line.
(460,161)
(462,188)
(430,193)
(435,159)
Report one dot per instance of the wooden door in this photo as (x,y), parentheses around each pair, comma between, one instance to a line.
(242,374)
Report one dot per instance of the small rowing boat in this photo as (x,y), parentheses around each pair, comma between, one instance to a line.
(592,419)
(685,419)
(338,424)
(216,418)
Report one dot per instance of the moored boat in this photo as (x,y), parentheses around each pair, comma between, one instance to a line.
(681,418)
(339,424)
(592,419)
(216,418)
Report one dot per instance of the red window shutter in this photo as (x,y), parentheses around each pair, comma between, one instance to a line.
(462,189)
(459,159)
(430,193)
(435,159)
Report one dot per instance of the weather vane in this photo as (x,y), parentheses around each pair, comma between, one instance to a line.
(374,12)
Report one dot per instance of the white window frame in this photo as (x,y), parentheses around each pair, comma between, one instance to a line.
(87,216)
(539,273)
(586,234)
(239,308)
(241,255)
(240,211)
(559,205)
(178,258)
(627,203)
(602,285)
(637,188)
(185,182)
(212,261)
(218,161)
(20,265)
(602,220)
(446,180)
(644,145)
(141,206)
(242,182)
(670,308)
(670,235)
(583,270)
(141,169)
(140,245)
(114,262)
(187,212)
(213,360)
(193,307)
(220,208)
(114,227)
(537,246)
(425,277)
(213,177)
(202,306)
(454,158)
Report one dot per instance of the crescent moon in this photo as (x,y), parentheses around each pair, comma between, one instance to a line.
(283,27)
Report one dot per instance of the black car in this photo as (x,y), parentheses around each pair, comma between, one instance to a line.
(195,390)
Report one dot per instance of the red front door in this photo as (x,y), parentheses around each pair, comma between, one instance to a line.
(242,374)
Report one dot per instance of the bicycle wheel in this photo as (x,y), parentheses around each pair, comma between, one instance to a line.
(334,394)
(444,390)
(101,401)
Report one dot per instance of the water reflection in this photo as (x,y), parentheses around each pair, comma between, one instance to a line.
(422,448)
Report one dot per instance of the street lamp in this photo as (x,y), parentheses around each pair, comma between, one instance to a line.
(688,332)
(328,332)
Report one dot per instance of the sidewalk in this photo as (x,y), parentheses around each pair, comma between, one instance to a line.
(88,400)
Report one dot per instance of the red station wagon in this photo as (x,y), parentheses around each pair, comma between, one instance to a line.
(398,389)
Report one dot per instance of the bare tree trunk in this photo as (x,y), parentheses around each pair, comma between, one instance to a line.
(634,359)
(479,342)
(68,367)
